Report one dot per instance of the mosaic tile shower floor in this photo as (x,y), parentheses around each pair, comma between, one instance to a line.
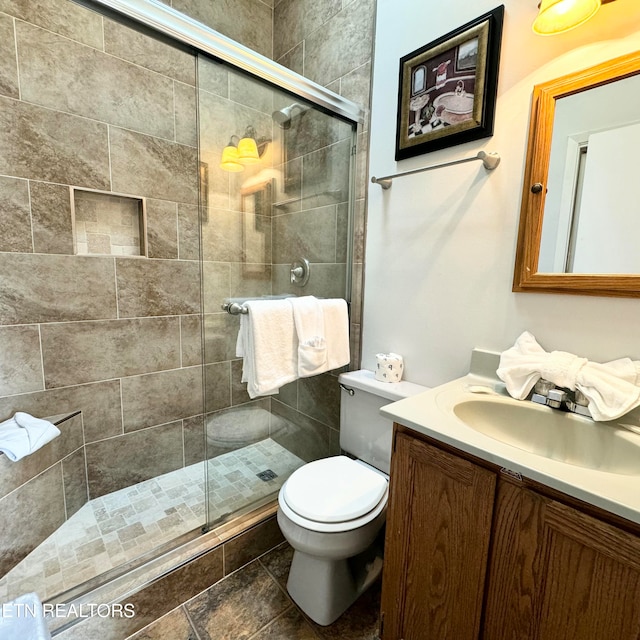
(117,528)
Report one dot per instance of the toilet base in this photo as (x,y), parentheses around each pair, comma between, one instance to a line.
(325,588)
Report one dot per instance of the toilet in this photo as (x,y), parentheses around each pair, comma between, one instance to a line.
(332,511)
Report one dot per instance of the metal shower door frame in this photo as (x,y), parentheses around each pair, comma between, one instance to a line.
(161,18)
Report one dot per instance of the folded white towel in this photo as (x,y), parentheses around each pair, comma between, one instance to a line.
(312,346)
(23,619)
(268,344)
(23,434)
(612,388)
(336,332)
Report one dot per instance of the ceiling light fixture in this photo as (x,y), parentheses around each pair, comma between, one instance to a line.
(558,16)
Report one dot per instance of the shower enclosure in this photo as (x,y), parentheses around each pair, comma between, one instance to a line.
(161,172)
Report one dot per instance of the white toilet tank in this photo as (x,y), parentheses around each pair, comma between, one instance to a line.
(364,433)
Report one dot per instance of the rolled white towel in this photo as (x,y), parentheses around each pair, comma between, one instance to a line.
(23,619)
(611,388)
(23,434)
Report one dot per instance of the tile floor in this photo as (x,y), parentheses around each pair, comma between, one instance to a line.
(253,604)
(113,530)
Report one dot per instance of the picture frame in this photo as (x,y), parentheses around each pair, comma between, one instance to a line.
(447,88)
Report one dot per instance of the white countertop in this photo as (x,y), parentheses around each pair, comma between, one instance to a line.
(431,414)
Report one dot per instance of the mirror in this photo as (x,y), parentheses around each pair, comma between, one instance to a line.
(580,213)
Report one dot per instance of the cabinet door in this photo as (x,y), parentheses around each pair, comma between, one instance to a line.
(437,539)
(558,574)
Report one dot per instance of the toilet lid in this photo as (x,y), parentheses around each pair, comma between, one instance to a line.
(334,490)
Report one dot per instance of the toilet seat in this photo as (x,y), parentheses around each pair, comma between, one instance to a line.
(334,494)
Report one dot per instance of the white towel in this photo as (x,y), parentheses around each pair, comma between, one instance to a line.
(612,388)
(268,344)
(308,318)
(23,434)
(336,332)
(23,619)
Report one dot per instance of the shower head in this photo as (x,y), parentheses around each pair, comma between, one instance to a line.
(284,116)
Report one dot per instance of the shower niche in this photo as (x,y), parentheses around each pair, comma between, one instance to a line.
(108,224)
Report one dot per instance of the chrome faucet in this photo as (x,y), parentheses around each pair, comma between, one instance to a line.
(545,392)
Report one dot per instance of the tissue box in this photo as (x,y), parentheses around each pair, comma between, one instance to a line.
(389,367)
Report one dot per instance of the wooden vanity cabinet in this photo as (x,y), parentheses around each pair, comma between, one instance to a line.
(437,544)
(473,555)
(559,574)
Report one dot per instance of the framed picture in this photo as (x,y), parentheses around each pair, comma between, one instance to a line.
(447,90)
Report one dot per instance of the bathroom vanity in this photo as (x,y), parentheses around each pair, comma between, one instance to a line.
(488,540)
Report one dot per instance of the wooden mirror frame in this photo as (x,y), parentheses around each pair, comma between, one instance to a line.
(526,276)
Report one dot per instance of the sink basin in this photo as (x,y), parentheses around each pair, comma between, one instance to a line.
(553,434)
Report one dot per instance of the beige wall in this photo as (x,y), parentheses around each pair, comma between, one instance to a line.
(456,228)
(54,476)
(249,22)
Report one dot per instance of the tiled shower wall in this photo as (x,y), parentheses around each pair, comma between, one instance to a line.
(327,41)
(248,252)
(88,103)
(330,42)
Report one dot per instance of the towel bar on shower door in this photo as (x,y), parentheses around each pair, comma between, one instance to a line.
(234,308)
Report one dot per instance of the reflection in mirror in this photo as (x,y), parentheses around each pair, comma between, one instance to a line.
(580,214)
(592,210)
(256,229)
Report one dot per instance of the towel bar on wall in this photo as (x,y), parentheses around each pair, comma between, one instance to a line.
(489,160)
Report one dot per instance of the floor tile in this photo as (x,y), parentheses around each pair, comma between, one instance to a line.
(174,626)
(278,562)
(291,625)
(359,622)
(238,606)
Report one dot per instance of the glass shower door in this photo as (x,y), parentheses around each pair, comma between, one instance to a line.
(282,210)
